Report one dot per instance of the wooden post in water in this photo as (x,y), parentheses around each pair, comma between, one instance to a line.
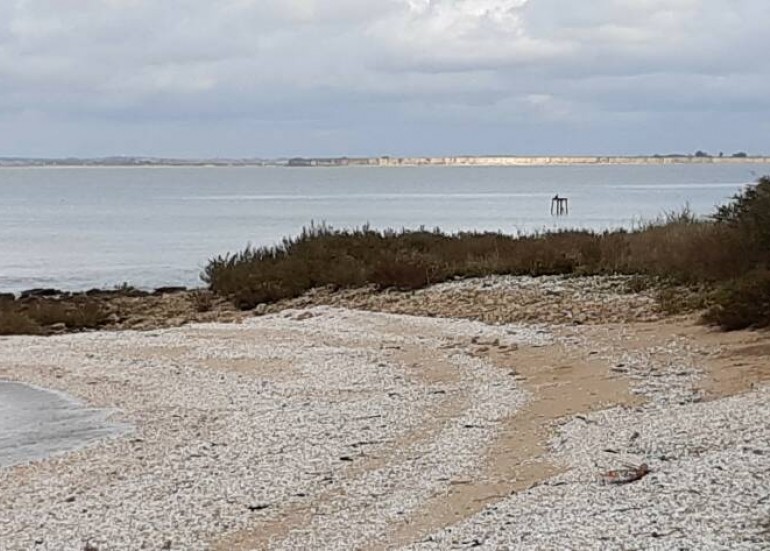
(559,206)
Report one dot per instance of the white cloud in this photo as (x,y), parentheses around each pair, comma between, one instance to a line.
(447,35)
(338,62)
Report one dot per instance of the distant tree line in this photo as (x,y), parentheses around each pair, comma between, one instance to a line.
(702,154)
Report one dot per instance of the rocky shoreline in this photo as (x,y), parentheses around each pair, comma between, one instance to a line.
(119,309)
(493,300)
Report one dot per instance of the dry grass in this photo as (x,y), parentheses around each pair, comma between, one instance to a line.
(15,323)
(38,316)
(684,250)
(202,301)
(678,248)
(405,260)
(688,251)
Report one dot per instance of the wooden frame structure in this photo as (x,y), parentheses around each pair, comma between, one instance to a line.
(559,206)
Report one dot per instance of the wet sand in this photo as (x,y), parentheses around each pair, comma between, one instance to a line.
(37,423)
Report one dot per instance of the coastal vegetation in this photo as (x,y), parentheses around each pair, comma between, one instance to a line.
(726,258)
(719,265)
(37,315)
(49,311)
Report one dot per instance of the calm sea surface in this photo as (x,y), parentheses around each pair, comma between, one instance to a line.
(99,227)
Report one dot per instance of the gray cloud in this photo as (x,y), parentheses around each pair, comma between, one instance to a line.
(272,77)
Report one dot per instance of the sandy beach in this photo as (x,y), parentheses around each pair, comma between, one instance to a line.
(501,413)
(415,275)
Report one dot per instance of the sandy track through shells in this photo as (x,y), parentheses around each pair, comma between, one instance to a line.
(380,419)
(337,429)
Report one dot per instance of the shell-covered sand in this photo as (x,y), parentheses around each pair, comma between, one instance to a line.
(325,427)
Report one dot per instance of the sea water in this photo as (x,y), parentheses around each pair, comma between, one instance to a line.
(77,228)
(36,423)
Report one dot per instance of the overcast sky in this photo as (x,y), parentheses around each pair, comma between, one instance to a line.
(271,78)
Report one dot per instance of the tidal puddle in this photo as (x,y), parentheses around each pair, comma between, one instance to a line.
(36,423)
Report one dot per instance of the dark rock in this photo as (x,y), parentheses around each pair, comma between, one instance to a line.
(258,507)
(41,293)
(169,290)
(120,292)
(98,292)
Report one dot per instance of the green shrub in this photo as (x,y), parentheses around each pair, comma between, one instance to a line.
(742,303)
(748,214)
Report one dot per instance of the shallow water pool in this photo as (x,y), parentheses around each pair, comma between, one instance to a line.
(36,423)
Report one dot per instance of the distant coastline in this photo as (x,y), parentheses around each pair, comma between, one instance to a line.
(512,160)
(386,161)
